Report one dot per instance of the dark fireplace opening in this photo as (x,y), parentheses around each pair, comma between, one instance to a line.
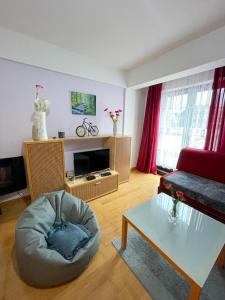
(12,175)
(6,178)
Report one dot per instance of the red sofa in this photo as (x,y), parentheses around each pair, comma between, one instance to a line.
(200,175)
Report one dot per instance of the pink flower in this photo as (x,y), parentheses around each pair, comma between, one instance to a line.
(168,186)
(114,114)
(179,194)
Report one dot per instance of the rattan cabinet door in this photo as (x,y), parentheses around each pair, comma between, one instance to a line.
(122,158)
(45,167)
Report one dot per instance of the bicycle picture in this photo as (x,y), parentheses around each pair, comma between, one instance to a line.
(87,128)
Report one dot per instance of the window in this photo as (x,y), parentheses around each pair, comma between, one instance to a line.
(183,121)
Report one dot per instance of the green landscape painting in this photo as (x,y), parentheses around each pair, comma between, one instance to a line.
(83,104)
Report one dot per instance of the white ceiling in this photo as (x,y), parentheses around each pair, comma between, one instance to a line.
(118,33)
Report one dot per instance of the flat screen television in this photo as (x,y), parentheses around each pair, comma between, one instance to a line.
(90,161)
(12,175)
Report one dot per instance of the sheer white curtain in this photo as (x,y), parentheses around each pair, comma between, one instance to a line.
(183,116)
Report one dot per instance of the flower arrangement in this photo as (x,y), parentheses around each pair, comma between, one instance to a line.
(40,105)
(39,130)
(114,115)
(177,196)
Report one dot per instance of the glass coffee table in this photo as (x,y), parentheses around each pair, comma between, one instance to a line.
(191,246)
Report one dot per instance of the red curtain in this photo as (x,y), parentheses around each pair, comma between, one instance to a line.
(148,149)
(215,137)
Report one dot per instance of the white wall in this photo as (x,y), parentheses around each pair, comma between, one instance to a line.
(196,56)
(135,102)
(199,55)
(24,49)
(205,53)
(17,93)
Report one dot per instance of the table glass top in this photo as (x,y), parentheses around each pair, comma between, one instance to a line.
(193,244)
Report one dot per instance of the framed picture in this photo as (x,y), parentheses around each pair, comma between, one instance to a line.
(83,104)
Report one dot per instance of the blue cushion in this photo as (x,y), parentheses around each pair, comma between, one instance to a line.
(68,238)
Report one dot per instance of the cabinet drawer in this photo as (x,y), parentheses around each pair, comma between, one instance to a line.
(106,185)
(96,188)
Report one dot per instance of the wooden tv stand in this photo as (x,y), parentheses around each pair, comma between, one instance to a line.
(89,190)
(46,167)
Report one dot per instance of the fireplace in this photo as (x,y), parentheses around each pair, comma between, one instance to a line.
(12,175)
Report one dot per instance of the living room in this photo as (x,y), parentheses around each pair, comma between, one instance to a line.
(112,152)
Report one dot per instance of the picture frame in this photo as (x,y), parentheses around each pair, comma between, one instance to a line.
(83,104)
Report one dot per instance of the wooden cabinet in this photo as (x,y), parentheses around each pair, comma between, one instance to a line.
(89,190)
(120,152)
(45,166)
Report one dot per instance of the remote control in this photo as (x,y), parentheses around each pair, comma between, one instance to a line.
(106,174)
(90,177)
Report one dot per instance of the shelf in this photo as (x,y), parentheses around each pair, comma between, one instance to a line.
(69,138)
(83,180)
(30,141)
(89,190)
(72,138)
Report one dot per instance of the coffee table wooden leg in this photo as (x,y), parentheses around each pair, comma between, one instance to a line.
(194,292)
(221,258)
(124,233)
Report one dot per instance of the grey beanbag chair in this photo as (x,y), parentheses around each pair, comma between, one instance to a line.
(43,267)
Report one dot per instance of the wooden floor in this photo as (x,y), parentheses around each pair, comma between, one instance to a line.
(107,277)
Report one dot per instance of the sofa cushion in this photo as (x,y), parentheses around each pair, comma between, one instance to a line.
(207,192)
(68,238)
(208,164)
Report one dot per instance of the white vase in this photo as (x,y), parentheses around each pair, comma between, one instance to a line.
(39,130)
(114,128)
